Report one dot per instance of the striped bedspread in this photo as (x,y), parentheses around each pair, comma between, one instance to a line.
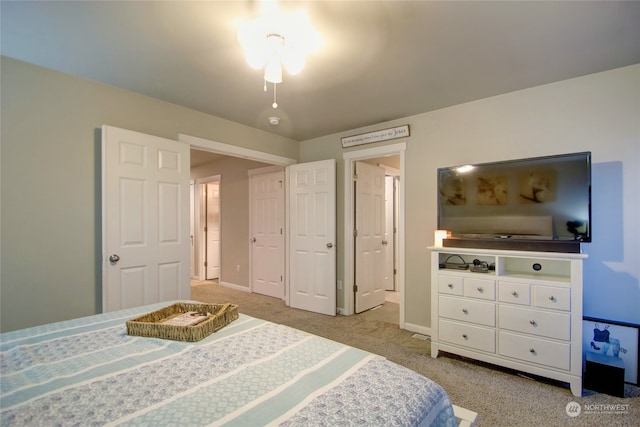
(250,373)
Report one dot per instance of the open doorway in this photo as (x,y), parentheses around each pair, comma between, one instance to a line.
(222,215)
(393,153)
(375,233)
(233,165)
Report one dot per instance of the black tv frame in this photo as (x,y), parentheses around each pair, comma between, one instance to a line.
(506,242)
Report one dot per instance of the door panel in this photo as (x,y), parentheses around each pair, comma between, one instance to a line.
(312,236)
(192,229)
(267,231)
(145,197)
(370,225)
(212,233)
(389,234)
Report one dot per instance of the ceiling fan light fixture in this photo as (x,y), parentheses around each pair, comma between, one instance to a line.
(277,39)
(273,71)
(293,61)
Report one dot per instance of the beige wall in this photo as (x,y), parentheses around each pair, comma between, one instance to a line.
(234,216)
(598,113)
(50,177)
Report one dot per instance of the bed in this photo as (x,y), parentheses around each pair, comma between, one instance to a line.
(88,371)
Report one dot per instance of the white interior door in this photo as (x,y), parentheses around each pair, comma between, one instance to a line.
(145,200)
(389,245)
(312,236)
(370,252)
(213,230)
(192,229)
(267,233)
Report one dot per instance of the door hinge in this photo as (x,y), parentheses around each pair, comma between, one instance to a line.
(281,278)
(355,176)
(355,233)
(281,231)
(205,229)
(205,263)
(355,288)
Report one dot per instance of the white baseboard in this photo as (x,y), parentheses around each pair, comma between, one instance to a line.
(417,328)
(235,287)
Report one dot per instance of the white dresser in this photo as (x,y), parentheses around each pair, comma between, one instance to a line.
(525,313)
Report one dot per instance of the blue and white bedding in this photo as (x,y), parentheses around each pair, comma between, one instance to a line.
(250,373)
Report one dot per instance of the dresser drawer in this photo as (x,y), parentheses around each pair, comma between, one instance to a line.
(535,350)
(552,297)
(450,285)
(467,310)
(536,322)
(514,293)
(467,335)
(480,288)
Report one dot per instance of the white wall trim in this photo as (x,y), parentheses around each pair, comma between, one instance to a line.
(235,287)
(349,159)
(412,327)
(368,153)
(234,151)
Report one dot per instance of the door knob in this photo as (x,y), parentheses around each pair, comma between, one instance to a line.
(329,245)
(114,258)
(384,242)
(252,240)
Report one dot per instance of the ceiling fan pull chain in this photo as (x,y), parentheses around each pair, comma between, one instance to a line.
(275,104)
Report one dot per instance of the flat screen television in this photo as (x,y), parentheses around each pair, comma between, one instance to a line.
(543,199)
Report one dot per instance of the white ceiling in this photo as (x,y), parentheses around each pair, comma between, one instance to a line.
(381,60)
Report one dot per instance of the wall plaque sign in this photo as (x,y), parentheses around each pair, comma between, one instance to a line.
(377,136)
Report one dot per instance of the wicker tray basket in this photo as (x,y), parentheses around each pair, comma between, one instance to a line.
(150,324)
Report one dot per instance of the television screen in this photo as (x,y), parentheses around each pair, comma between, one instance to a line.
(545,198)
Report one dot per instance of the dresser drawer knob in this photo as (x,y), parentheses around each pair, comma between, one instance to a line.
(532,322)
(515,294)
(480,290)
(552,298)
(450,285)
(532,350)
(465,336)
(465,311)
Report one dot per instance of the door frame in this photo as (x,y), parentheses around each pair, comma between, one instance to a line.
(211,146)
(350,158)
(235,151)
(200,240)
